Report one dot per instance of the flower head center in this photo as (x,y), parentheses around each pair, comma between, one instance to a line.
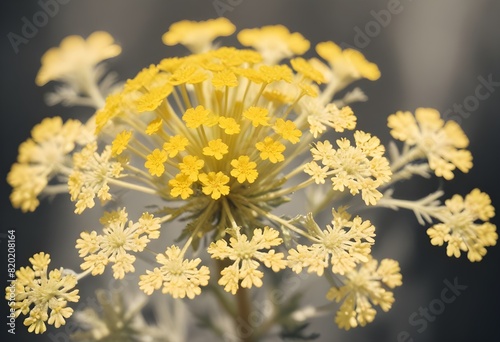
(117,239)
(331,241)
(245,251)
(175,267)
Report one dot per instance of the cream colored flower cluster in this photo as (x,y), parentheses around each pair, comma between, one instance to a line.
(116,243)
(43,157)
(247,255)
(442,144)
(460,228)
(43,295)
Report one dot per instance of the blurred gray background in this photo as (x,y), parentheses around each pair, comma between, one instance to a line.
(431,54)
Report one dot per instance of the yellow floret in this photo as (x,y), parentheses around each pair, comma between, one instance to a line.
(155,162)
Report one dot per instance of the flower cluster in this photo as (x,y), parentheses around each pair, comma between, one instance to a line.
(345,244)
(197,36)
(459,227)
(361,168)
(90,176)
(178,276)
(43,295)
(246,255)
(321,117)
(218,139)
(208,126)
(116,243)
(41,158)
(75,56)
(362,288)
(442,144)
(274,42)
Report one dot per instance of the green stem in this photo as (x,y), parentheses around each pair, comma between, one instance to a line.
(91,88)
(407,157)
(285,191)
(261,90)
(96,96)
(329,198)
(281,221)
(424,209)
(328,92)
(185,96)
(201,221)
(221,298)
(132,186)
(266,326)
(55,189)
(245,330)
(82,275)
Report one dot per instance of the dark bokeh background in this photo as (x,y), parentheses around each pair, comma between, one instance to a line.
(430,54)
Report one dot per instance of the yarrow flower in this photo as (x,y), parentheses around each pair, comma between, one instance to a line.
(41,158)
(197,36)
(247,255)
(116,243)
(120,143)
(91,173)
(348,64)
(442,143)
(42,294)
(213,135)
(361,168)
(460,228)
(274,42)
(342,245)
(219,139)
(320,117)
(75,54)
(362,288)
(177,276)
